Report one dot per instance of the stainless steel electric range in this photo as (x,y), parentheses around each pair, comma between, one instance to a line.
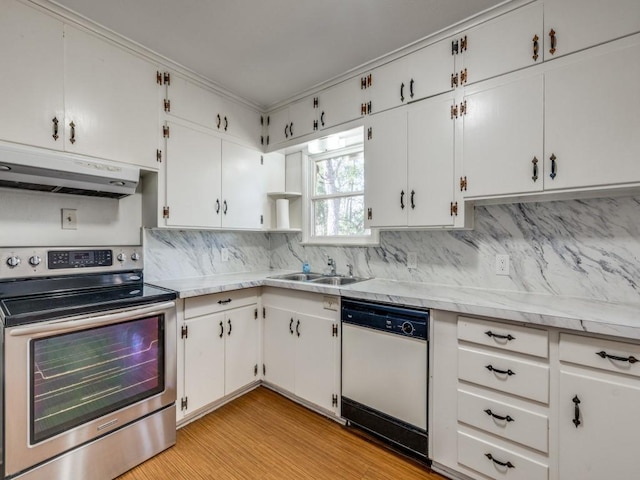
(88,363)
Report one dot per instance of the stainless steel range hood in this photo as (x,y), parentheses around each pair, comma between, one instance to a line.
(42,170)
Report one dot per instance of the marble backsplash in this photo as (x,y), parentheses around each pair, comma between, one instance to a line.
(578,248)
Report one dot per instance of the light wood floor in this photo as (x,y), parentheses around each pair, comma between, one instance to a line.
(263,435)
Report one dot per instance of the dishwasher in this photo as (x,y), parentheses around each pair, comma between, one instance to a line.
(385,371)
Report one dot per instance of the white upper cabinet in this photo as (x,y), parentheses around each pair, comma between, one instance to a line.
(278,126)
(572,25)
(592,114)
(421,74)
(303,117)
(503,135)
(339,104)
(501,45)
(31,83)
(110,101)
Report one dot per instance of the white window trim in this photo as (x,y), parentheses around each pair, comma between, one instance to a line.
(307,197)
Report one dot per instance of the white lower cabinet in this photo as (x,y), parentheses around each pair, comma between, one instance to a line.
(301,345)
(220,349)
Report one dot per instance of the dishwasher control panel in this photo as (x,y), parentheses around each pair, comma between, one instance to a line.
(389,318)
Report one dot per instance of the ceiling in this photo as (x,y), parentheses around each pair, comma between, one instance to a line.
(267,51)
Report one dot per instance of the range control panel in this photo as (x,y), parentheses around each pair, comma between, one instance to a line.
(25,262)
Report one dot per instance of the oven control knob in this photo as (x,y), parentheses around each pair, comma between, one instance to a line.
(35,260)
(135,256)
(13,261)
(122,257)
(407,328)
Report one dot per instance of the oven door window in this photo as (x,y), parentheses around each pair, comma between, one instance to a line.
(80,376)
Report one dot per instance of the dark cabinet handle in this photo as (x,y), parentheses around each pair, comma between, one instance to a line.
(576,411)
(535,169)
(291,129)
(413,195)
(286,131)
(411,88)
(221,329)
(402,92)
(219,122)
(553,41)
(554,166)
(217,205)
(631,359)
(298,327)
(72,138)
(226,123)
(498,462)
(536,47)
(224,302)
(322,119)
(224,207)
(291,326)
(229,323)
(498,417)
(402,199)
(502,372)
(507,337)
(55,128)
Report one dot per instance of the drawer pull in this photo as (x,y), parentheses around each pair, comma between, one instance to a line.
(498,462)
(498,417)
(503,372)
(221,329)
(224,302)
(230,327)
(576,411)
(508,337)
(631,359)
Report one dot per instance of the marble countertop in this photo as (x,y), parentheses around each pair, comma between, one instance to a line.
(580,314)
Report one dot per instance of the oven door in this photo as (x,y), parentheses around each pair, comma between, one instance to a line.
(70,381)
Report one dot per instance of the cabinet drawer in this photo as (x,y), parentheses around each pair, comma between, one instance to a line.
(507,374)
(505,420)
(483,457)
(604,354)
(218,302)
(506,337)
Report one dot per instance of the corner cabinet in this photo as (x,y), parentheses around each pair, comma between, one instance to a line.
(218,349)
(301,350)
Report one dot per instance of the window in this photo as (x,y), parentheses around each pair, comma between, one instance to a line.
(336,190)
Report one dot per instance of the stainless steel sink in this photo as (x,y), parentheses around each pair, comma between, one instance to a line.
(298,277)
(337,280)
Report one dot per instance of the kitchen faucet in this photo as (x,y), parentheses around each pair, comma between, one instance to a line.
(350,267)
(332,265)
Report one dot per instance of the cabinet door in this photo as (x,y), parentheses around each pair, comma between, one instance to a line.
(603,444)
(340,103)
(278,126)
(244,180)
(193,163)
(204,361)
(241,348)
(302,115)
(503,44)
(430,155)
(194,103)
(31,83)
(385,169)
(580,24)
(429,71)
(389,86)
(502,136)
(111,96)
(315,360)
(241,122)
(592,113)
(279,348)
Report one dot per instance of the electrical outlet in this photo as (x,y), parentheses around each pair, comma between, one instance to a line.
(69,219)
(502,264)
(224,254)
(412,260)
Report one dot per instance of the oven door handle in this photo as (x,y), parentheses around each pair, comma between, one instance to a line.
(75,323)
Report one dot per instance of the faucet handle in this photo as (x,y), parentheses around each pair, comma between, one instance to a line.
(350,267)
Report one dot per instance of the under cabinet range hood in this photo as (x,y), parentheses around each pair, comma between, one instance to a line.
(35,169)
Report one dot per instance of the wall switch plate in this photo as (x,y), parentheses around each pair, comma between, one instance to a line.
(412,260)
(502,264)
(224,254)
(69,219)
